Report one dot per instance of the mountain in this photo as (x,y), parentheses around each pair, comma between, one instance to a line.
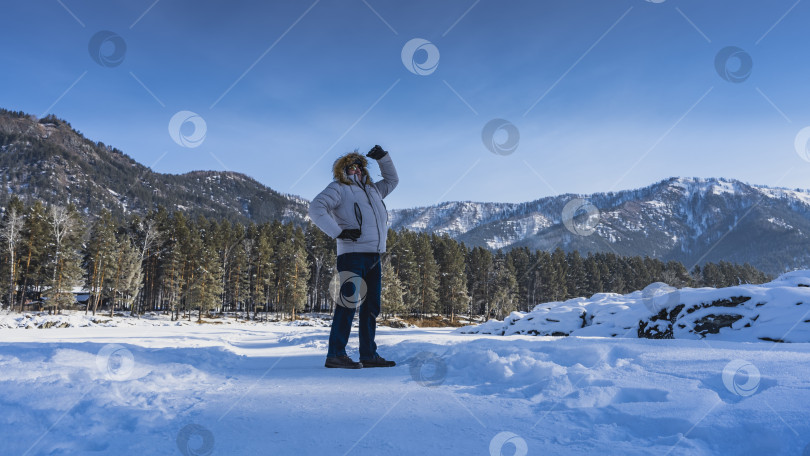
(689,220)
(48,160)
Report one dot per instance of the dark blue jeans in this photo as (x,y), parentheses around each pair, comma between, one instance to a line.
(367,266)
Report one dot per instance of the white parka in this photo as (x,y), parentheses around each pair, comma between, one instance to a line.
(347,204)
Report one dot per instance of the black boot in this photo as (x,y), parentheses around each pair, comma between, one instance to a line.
(378,361)
(342,362)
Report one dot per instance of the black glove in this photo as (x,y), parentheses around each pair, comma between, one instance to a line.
(349,234)
(376,153)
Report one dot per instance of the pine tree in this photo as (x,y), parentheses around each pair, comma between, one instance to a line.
(100,260)
(453,297)
(263,266)
(554,277)
(293,271)
(406,264)
(594,275)
(521,259)
(479,273)
(427,275)
(576,277)
(321,257)
(145,237)
(392,302)
(174,264)
(505,286)
(127,274)
(34,254)
(238,277)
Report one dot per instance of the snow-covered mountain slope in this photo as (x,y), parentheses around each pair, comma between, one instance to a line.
(778,311)
(690,220)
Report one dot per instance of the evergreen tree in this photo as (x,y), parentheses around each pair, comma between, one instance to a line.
(427,276)
(594,276)
(504,286)
(576,277)
(293,271)
(100,260)
(522,261)
(34,254)
(406,263)
(392,302)
(555,286)
(453,297)
(321,257)
(479,267)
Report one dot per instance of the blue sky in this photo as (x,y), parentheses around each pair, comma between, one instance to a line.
(605,95)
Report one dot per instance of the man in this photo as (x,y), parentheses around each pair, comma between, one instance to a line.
(351,209)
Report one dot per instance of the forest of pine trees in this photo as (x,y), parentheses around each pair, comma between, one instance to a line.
(164,262)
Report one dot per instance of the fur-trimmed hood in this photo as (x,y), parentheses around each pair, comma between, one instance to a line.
(340,165)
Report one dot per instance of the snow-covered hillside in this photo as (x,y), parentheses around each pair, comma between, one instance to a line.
(682,219)
(262,389)
(776,311)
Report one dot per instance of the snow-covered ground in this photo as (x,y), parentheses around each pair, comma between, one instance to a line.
(232,389)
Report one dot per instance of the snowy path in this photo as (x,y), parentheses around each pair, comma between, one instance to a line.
(252,389)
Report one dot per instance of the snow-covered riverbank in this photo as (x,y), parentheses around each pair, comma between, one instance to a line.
(248,389)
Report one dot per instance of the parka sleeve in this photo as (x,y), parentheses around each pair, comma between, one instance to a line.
(389,174)
(322,205)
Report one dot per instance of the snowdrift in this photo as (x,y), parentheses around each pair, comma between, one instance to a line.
(777,311)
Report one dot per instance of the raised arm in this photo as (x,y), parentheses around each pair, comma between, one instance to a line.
(389,174)
(320,208)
